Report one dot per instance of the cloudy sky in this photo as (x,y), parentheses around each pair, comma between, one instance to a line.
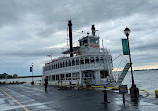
(32,29)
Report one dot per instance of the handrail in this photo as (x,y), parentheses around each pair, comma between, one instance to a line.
(116,88)
(147,93)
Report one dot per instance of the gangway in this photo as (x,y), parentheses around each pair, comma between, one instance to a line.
(123,74)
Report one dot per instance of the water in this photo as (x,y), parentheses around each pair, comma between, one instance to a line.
(27,80)
(147,80)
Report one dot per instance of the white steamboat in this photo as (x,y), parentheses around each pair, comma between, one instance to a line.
(86,64)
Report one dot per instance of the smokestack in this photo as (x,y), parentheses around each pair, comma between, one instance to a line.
(70,38)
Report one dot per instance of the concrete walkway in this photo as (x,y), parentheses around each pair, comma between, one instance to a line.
(34,98)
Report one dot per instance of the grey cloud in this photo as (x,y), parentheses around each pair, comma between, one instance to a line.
(26,53)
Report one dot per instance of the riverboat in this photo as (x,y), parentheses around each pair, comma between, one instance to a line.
(85,64)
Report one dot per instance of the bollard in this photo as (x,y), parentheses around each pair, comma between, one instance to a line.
(134,92)
(78,84)
(105,97)
(123,98)
(156,93)
(32,82)
(84,86)
(70,85)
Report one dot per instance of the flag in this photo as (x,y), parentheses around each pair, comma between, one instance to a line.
(125,47)
(30,69)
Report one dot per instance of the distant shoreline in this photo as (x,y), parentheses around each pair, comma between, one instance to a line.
(145,69)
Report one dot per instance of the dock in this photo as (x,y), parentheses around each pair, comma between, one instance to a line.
(25,97)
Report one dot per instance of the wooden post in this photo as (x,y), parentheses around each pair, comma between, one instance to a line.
(105,96)
(123,98)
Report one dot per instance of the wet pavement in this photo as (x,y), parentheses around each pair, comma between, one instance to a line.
(33,98)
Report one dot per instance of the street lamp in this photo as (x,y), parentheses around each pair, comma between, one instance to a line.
(32,74)
(127,32)
(133,90)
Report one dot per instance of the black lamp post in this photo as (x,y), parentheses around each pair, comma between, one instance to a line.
(32,75)
(133,90)
(127,32)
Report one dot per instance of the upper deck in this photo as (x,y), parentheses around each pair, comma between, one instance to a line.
(92,61)
(85,46)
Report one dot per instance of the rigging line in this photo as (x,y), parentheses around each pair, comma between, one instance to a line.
(117,57)
(123,58)
(118,66)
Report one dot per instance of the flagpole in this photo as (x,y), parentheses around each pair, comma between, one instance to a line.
(51,56)
(32,75)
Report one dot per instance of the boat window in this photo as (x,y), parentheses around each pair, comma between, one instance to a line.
(62,76)
(94,41)
(49,78)
(68,76)
(85,42)
(86,61)
(53,77)
(49,68)
(63,64)
(69,63)
(77,61)
(56,66)
(101,60)
(92,59)
(66,64)
(75,76)
(52,67)
(60,65)
(97,59)
(80,43)
(103,74)
(82,61)
(57,77)
(73,62)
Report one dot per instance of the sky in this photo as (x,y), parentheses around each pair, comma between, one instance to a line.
(32,29)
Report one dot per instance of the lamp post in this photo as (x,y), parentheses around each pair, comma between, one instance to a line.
(133,90)
(32,74)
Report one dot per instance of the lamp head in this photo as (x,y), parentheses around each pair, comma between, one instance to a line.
(127,31)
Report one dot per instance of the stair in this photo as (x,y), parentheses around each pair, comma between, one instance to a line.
(123,74)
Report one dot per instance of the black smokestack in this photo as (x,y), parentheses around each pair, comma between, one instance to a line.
(70,38)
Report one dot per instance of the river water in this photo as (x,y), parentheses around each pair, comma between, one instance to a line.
(147,80)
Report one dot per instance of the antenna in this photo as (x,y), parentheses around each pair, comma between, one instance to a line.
(102,44)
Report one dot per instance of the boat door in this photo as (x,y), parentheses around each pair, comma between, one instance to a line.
(88,77)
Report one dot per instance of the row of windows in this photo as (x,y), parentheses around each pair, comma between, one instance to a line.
(75,76)
(74,62)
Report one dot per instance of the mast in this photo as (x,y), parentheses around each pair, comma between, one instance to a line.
(93,30)
(70,38)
